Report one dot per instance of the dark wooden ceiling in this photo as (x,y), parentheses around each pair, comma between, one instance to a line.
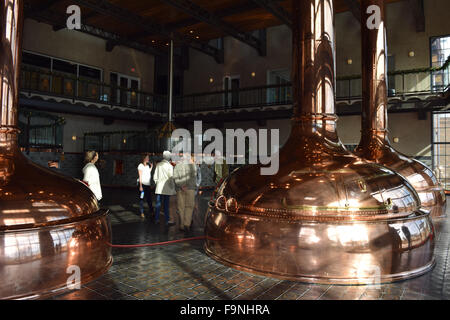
(152,22)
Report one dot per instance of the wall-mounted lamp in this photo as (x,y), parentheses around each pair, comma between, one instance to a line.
(74,138)
(411,54)
(396,140)
(253,74)
(211,80)
(349,61)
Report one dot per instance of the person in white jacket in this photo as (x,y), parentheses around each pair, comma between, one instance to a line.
(165,186)
(91,176)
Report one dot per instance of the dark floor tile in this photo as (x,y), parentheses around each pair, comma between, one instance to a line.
(314,293)
(184,271)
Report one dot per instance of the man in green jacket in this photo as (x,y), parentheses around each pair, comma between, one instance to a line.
(220,167)
(185,177)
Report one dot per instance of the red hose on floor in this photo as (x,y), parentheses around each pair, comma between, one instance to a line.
(154,244)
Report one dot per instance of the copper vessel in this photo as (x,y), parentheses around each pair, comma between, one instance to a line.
(51,226)
(327,216)
(375,145)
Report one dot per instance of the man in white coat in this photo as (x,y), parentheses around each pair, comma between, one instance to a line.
(165,186)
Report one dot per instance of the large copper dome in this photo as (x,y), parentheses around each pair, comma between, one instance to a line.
(51,227)
(430,191)
(327,216)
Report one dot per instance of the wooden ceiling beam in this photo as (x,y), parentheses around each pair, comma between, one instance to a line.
(127,16)
(276,10)
(227,12)
(419,14)
(52,18)
(204,15)
(45,5)
(355,8)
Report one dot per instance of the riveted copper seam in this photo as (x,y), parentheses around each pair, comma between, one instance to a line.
(50,225)
(326,216)
(375,145)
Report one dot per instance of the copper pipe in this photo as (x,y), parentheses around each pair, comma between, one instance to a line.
(326,216)
(313,67)
(48,222)
(375,145)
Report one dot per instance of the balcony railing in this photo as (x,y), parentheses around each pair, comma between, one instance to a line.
(231,99)
(56,84)
(402,84)
(40,130)
(124,141)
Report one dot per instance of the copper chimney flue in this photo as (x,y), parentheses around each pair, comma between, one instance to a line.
(375,145)
(53,236)
(326,216)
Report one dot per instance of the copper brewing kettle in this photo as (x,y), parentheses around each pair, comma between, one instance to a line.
(327,216)
(51,227)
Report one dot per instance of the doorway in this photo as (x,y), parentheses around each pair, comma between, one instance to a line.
(231,85)
(125,89)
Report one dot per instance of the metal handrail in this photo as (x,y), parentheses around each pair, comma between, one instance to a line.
(104,93)
(348,88)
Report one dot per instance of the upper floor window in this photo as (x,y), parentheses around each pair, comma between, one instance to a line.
(440,51)
(48,74)
(280,90)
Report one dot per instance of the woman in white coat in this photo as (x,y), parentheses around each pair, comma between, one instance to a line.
(165,186)
(91,175)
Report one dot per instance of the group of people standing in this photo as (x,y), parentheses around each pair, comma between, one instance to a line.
(182,179)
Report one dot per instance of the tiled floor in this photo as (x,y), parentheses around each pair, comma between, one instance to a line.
(184,271)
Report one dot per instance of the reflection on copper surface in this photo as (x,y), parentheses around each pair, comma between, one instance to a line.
(375,145)
(326,216)
(41,212)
